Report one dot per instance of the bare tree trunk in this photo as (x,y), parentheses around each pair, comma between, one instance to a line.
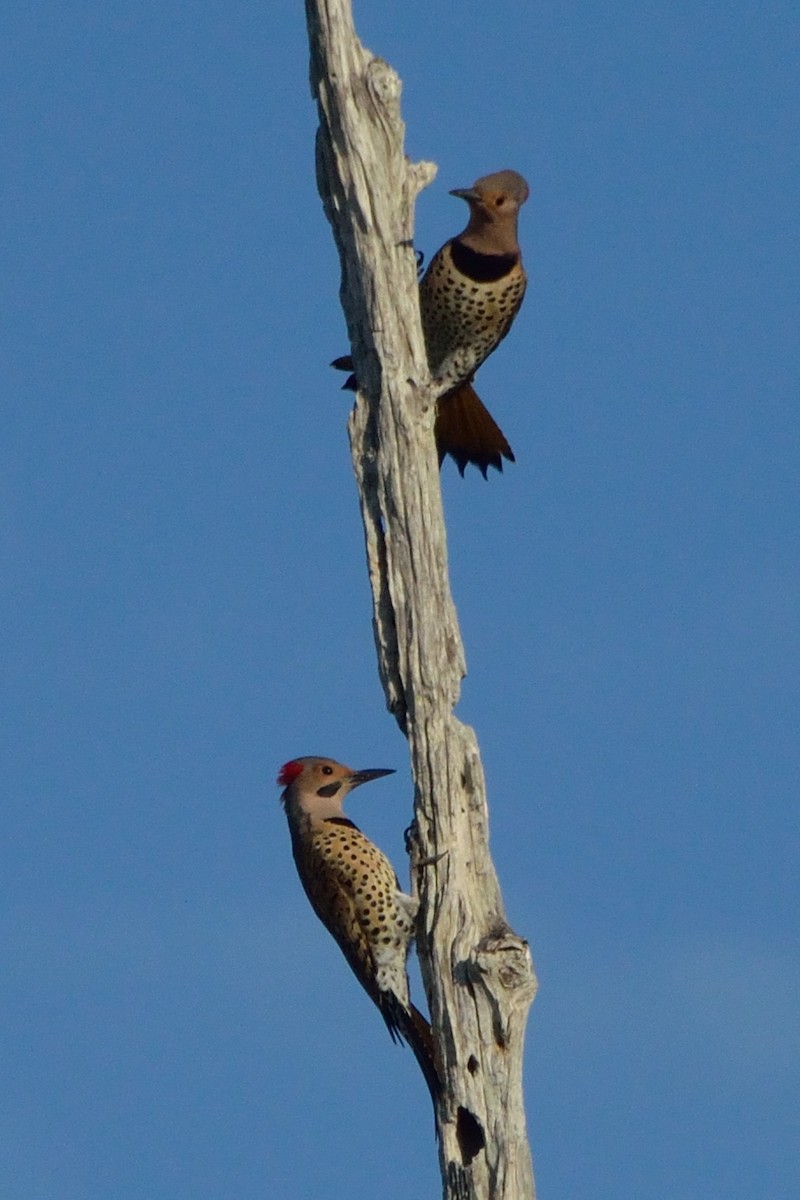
(477,972)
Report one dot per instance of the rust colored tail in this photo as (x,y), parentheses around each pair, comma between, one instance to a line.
(466,430)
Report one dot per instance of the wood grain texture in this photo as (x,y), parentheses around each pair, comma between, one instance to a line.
(477,972)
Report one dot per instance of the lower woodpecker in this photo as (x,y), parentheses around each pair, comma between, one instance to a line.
(354,891)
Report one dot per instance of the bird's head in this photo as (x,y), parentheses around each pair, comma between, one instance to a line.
(313,781)
(494,202)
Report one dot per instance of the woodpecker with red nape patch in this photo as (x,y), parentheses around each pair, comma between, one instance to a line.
(354,891)
(468,299)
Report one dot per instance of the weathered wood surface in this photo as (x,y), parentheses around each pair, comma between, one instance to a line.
(477,972)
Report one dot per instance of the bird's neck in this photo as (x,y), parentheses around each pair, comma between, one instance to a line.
(478,266)
(490,237)
(312,808)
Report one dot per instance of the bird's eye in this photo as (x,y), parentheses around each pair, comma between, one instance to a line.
(500,201)
(327,770)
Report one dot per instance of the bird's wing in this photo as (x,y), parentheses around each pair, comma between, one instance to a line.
(351,886)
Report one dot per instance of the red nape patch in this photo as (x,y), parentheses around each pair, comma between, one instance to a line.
(289,772)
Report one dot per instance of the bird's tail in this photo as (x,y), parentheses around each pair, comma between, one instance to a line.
(466,430)
(409,1025)
(419,1035)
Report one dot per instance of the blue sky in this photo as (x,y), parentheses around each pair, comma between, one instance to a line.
(185,603)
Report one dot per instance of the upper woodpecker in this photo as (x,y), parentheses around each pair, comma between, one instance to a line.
(355,893)
(468,299)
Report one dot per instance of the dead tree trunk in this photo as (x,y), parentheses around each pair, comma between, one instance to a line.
(477,972)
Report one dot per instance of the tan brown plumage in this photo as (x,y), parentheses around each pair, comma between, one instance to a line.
(354,891)
(468,299)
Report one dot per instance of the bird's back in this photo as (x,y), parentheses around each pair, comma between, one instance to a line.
(354,891)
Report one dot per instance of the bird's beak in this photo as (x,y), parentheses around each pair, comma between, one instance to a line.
(465,193)
(359,777)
